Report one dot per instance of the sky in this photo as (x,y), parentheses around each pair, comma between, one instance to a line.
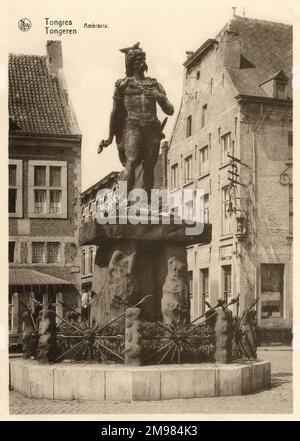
(166,29)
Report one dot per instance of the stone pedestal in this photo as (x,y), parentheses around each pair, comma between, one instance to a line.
(47,349)
(223,330)
(133,337)
(134,261)
(28,335)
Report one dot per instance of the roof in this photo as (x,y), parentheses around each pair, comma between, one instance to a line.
(267,46)
(38,102)
(27,276)
(199,52)
(100,184)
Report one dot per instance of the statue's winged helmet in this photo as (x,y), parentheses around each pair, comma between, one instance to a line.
(134,57)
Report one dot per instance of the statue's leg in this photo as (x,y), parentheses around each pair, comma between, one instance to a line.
(132,150)
(150,156)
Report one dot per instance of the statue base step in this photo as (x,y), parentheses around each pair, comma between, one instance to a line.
(67,381)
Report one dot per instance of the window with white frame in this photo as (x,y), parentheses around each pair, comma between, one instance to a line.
(189,126)
(188,168)
(15,188)
(206,208)
(191,283)
(174,176)
(272,287)
(227,290)
(10,312)
(90,261)
(204,277)
(203,160)
(226,217)
(189,210)
(226,147)
(47,189)
(83,264)
(45,252)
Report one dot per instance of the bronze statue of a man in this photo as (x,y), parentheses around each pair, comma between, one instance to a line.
(134,121)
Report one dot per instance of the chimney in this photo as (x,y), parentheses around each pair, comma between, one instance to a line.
(54,57)
(230,45)
(189,54)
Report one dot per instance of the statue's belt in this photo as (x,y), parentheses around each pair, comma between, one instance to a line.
(137,122)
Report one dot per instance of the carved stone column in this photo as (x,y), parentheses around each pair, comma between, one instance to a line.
(223,331)
(47,349)
(28,336)
(175,302)
(133,337)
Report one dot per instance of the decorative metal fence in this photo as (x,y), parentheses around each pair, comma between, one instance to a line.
(195,342)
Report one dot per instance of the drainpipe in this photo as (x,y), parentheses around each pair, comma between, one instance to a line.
(254,180)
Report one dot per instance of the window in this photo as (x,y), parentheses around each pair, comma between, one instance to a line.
(83,266)
(48,189)
(12,200)
(280,90)
(189,126)
(198,75)
(227,293)
(190,283)
(55,201)
(38,252)
(272,290)
(203,161)
(226,147)
(188,173)
(174,176)
(53,252)
(204,274)
(15,196)
(290,145)
(11,251)
(40,201)
(204,115)
(291,209)
(206,208)
(90,261)
(188,210)
(10,311)
(226,217)
(42,252)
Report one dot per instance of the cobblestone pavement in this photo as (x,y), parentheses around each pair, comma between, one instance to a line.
(277,399)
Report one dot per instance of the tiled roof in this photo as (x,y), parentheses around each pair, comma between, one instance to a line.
(267,46)
(38,103)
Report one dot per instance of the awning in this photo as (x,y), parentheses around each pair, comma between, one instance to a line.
(27,276)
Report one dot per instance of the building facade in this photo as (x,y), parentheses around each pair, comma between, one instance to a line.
(233,139)
(89,205)
(44,187)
